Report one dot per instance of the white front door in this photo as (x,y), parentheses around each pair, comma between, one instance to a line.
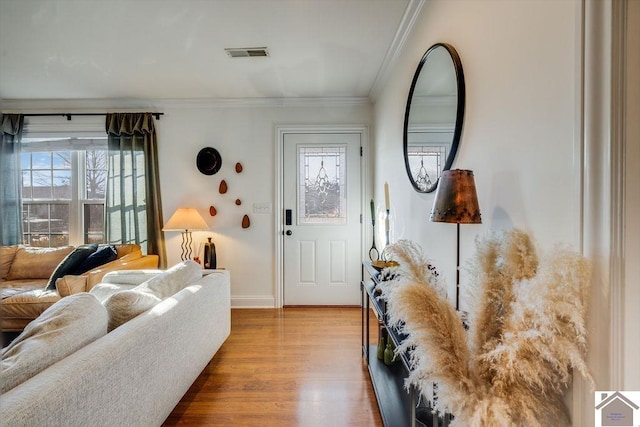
(322,202)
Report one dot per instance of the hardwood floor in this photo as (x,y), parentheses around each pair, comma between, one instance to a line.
(284,367)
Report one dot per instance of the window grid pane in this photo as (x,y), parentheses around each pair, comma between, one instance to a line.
(93,220)
(49,198)
(96,174)
(41,180)
(46,224)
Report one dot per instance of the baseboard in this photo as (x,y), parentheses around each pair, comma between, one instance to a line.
(253,301)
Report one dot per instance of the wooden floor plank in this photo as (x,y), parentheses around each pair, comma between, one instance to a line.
(284,367)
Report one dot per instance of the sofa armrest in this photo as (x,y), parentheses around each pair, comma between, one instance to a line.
(145,262)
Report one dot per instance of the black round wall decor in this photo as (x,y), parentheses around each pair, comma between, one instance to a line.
(209,161)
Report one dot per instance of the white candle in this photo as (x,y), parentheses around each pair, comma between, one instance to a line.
(386,195)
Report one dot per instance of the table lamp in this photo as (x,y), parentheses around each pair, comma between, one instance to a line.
(185,220)
(456,202)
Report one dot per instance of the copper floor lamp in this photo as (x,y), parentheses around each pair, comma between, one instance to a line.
(456,202)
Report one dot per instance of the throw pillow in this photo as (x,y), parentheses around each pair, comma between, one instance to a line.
(103,291)
(36,263)
(173,280)
(103,255)
(61,330)
(70,284)
(70,263)
(125,305)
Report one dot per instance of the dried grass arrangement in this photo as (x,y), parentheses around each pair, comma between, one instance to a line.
(526,331)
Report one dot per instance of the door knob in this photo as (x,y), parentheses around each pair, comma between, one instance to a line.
(288,232)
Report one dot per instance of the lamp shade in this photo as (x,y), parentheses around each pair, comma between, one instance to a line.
(456,200)
(185,219)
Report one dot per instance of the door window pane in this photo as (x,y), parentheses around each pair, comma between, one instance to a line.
(427,151)
(426,164)
(321,185)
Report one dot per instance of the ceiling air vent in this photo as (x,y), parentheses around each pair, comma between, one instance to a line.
(245,52)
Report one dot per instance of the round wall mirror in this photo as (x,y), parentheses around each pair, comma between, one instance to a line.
(433,117)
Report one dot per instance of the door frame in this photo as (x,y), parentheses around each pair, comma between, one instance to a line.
(365,190)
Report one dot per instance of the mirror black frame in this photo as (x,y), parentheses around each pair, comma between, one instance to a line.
(457,65)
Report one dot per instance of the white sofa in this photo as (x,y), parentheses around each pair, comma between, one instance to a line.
(134,375)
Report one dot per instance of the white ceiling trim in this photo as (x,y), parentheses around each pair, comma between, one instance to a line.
(80,105)
(408,20)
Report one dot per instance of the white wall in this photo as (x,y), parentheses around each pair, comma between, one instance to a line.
(245,134)
(522,127)
(519,134)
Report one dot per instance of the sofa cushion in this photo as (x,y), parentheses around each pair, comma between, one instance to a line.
(125,305)
(70,284)
(7,254)
(36,263)
(103,255)
(28,305)
(103,291)
(62,329)
(130,277)
(70,263)
(173,280)
(15,287)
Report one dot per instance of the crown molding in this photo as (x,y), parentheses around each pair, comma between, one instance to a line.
(113,105)
(409,18)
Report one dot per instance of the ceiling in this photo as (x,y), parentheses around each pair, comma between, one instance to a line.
(174,49)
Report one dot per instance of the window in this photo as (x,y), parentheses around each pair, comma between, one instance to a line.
(63,186)
(322,197)
(427,151)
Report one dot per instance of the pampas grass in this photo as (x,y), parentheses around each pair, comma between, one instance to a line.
(526,331)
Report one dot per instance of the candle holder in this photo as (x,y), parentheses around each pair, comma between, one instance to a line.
(387,230)
(374,254)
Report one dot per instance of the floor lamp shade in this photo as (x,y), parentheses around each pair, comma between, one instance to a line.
(456,202)
(186,220)
(456,199)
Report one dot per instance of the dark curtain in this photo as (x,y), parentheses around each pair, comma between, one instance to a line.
(10,180)
(133,203)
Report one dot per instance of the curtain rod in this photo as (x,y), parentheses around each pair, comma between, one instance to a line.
(68,115)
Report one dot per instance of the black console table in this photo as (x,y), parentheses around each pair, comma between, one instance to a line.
(398,406)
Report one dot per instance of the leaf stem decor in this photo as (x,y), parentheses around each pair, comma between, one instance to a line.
(526,331)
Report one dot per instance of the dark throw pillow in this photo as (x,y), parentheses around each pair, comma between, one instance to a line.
(103,255)
(70,263)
